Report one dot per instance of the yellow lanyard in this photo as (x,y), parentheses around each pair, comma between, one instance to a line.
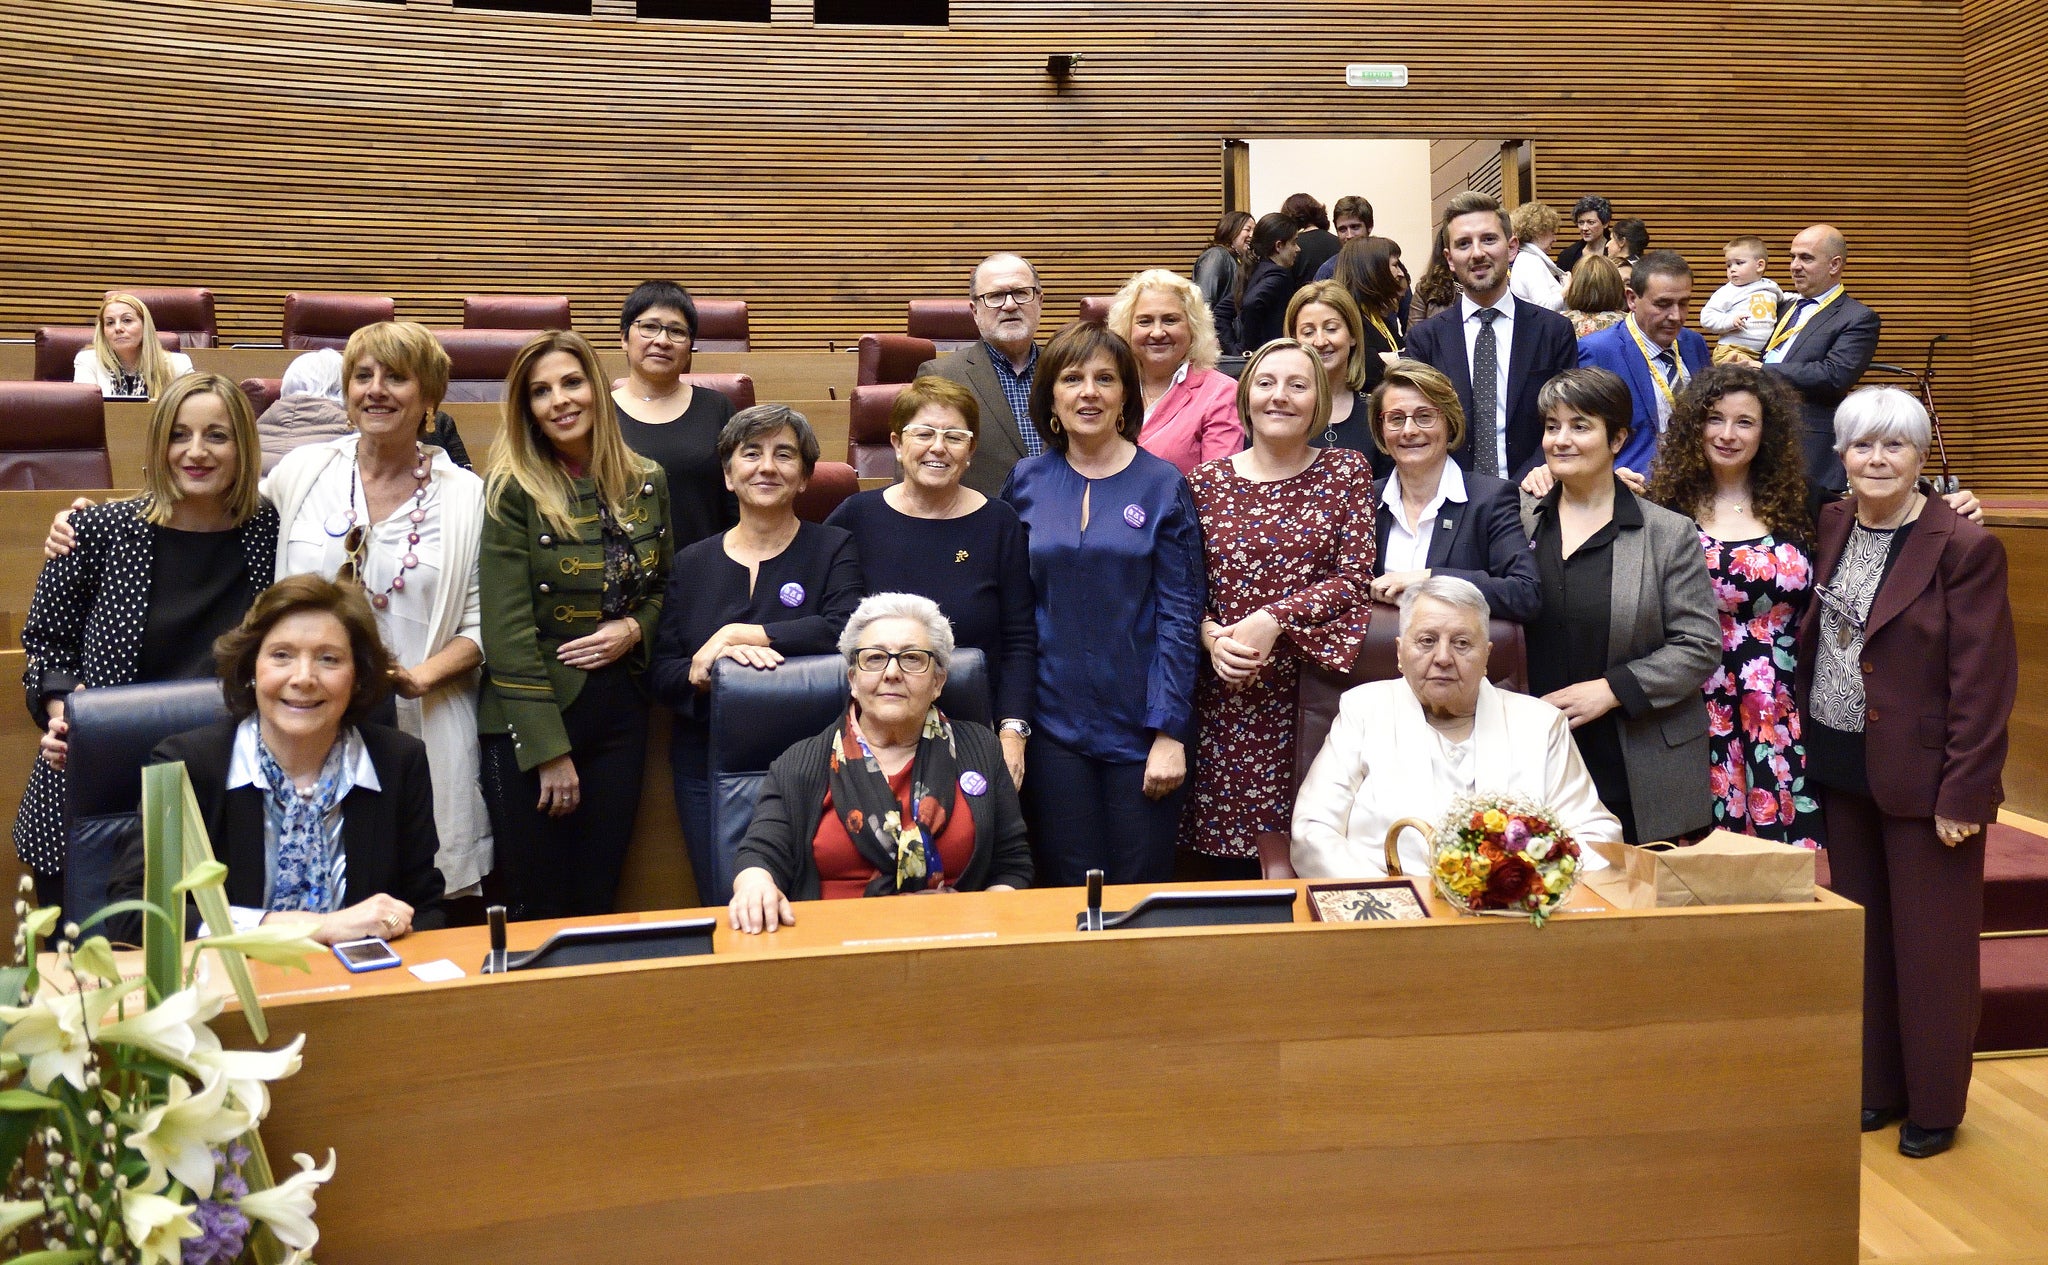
(1656,370)
(1393,344)
(1783,333)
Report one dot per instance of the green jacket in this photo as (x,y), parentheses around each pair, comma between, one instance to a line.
(540,590)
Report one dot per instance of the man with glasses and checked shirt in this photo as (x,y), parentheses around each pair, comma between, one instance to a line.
(999,368)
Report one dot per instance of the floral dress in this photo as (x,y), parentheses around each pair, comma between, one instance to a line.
(1302,548)
(1758,771)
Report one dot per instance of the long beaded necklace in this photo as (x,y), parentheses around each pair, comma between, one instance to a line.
(356,538)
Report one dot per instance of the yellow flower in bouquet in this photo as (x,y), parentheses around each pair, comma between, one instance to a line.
(1496,821)
(1464,873)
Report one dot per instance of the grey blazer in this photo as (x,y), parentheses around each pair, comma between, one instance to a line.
(1001,443)
(1665,631)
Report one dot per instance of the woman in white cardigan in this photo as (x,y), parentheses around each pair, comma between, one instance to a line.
(125,360)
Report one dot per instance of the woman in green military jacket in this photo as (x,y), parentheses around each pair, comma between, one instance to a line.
(576,551)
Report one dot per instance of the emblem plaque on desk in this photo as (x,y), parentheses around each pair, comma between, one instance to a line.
(1376,900)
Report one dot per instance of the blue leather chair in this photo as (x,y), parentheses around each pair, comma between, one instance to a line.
(757,715)
(113,730)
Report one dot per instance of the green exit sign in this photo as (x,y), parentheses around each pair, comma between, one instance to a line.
(1376,75)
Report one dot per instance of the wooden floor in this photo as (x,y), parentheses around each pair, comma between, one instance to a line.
(1986,1201)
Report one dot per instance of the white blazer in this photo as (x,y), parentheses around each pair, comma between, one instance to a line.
(1380,765)
(86,367)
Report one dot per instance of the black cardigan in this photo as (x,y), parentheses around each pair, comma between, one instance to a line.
(388,835)
(793,800)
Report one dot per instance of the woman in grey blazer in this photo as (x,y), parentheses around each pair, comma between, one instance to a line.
(1628,632)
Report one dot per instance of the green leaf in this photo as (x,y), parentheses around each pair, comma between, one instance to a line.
(15,1128)
(205,874)
(40,921)
(96,957)
(26,1100)
(70,1256)
(12,980)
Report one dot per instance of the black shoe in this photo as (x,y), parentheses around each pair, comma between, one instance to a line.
(1875,1118)
(1918,1143)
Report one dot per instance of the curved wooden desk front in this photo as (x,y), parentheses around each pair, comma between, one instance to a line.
(966,1079)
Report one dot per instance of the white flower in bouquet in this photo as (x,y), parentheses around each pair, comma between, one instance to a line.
(180,1135)
(54,1033)
(287,1208)
(156,1227)
(172,1030)
(247,1071)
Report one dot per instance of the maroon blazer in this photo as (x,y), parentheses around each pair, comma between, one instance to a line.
(1940,665)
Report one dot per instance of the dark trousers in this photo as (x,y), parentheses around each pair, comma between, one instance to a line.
(1824,466)
(1090,814)
(689,766)
(1923,909)
(564,867)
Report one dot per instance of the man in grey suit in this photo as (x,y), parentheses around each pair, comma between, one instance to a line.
(999,368)
(1821,345)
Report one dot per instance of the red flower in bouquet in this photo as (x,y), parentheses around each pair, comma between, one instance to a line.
(1510,880)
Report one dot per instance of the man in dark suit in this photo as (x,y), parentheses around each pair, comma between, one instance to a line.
(999,368)
(1497,352)
(1822,343)
(1318,245)
(1652,351)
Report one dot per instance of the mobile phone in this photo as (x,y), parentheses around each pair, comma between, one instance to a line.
(368,954)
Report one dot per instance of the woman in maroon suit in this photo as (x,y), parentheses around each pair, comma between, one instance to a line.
(1907,673)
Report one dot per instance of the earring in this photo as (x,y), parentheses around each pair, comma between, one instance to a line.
(1053,424)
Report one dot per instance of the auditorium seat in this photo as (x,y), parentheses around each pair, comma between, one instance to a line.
(113,730)
(886,358)
(867,431)
(313,320)
(55,436)
(757,715)
(948,323)
(721,326)
(1094,310)
(737,387)
(183,311)
(831,483)
(516,311)
(58,345)
(478,360)
(262,392)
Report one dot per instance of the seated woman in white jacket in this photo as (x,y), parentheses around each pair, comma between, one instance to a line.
(125,360)
(1407,748)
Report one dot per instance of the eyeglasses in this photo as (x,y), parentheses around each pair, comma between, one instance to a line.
(651,330)
(351,569)
(1423,419)
(997,298)
(874,660)
(928,434)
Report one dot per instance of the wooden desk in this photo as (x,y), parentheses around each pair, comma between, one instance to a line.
(1657,1086)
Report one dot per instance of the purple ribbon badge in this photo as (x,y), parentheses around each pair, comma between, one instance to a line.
(792,594)
(1134,515)
(973,783)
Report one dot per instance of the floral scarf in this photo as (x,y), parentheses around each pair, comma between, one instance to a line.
(905,855)
(301,819)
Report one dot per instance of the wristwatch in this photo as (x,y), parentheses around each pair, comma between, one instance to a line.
(1022,728)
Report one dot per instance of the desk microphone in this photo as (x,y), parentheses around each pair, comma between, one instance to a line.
(495,964)
(1094,901)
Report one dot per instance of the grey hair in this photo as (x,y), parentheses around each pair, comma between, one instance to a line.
(880,606)
(1880,413)
(315,373)
(1001,254)
(753,423)
(1451,591)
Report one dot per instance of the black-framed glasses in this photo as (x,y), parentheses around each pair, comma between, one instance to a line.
(995,299)
(651,330)
(874,660)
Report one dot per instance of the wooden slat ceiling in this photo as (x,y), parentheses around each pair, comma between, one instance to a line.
(829,174)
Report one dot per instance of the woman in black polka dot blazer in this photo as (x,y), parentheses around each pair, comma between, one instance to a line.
(148,585)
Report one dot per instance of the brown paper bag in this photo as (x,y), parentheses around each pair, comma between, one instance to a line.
(1722,869)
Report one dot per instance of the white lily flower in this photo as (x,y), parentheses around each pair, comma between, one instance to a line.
(287,1208)
(54,1033)
(157,1227)
(171,1029)
(180,1135)
(277,943)
(15,1214)
(246,1072)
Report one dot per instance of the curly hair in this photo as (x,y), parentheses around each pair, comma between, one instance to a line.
(1681,479)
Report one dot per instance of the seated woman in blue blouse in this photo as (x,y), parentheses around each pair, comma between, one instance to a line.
(932,536)
(772,586)
(1116,560)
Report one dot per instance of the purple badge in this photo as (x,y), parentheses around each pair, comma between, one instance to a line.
(1134,515)
(973,783)
(792,594)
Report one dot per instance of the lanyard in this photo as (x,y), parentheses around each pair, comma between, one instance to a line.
(1784,332)
(1656,370)
(1393,344)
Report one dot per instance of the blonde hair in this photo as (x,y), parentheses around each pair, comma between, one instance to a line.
(1252,362)
(1430,382)
(150,361)
(1532,220)
(1333,295)
(1203,347)
(406,347)
(160,489)
(523,454)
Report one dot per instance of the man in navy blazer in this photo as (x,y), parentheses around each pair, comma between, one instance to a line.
(1652,351)
(1822,343)
(1530,345)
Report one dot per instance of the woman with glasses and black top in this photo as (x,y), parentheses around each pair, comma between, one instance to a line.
(666,419)
(576,555)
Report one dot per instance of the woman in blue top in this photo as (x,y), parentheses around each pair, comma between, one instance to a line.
(1116,556)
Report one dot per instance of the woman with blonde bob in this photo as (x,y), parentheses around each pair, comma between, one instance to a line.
(126,360)
(1190,413)
(146,586)
(576,554)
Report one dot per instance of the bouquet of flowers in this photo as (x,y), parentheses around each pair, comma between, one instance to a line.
(1499,854)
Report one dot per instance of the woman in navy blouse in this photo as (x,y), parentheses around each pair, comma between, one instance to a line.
(1116,558)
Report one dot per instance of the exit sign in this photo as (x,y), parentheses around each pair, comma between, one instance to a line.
(1376,75)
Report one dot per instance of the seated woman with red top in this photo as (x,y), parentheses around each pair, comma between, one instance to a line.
(895,796)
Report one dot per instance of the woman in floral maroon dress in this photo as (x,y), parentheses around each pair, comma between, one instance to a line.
(1287,536)
(1730,459)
